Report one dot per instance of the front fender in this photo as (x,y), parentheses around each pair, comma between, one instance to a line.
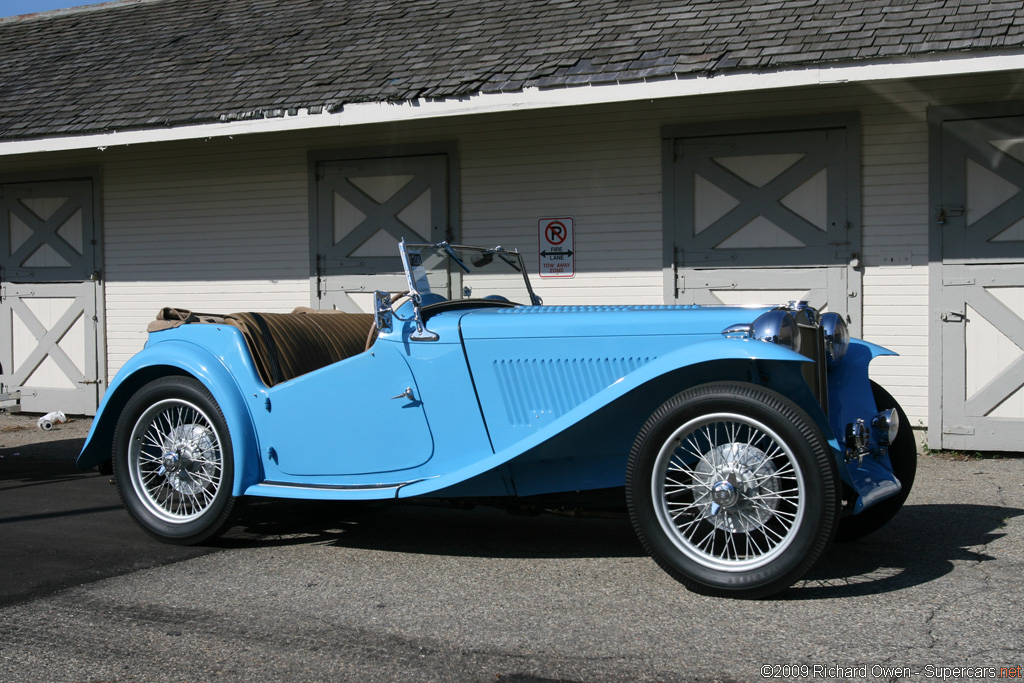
(849,390)
(850,398)
(222,372)
(719,349)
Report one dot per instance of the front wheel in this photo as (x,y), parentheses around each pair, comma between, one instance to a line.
(732,490)
(173,461)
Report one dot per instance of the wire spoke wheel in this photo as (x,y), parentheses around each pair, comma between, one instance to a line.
(173,461)
(729,492)
(733,490)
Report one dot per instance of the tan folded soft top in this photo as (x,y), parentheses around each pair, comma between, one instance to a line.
(286,345)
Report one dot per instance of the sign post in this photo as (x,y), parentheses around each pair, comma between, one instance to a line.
(556,244)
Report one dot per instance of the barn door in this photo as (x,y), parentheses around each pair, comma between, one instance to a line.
(50,344)
(764,219)
(981,219)
(364,207)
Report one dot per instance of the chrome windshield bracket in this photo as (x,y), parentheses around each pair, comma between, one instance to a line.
(421,333)
(382,314)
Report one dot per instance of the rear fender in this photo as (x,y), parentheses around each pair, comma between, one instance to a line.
(182,357)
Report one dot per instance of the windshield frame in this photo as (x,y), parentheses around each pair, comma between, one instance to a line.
(511,256)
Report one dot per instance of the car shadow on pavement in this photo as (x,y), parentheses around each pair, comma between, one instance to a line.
(61,527)
(41,463)
(919,545)
(477,532)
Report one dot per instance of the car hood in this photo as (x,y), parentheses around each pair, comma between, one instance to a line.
(602,321)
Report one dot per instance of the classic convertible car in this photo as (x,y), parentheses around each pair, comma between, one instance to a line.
(747,439)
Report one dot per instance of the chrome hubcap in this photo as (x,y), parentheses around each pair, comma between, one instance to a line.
(737,477)
(171,462)
(724,494)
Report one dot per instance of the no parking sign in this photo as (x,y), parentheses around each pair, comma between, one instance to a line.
(556,246)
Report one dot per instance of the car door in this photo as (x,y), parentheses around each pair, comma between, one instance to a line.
(360,416)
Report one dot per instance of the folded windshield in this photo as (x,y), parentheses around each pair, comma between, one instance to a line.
(450,272)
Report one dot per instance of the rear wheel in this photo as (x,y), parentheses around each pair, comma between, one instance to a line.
(173,461)
(732,490)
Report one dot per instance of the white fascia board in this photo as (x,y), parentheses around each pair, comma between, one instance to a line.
(532,98)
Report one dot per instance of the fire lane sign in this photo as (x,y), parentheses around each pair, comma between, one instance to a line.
(556,245)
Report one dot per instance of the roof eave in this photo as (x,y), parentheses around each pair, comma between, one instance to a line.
(536,99)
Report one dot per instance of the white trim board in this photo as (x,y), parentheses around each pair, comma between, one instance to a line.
(530,99)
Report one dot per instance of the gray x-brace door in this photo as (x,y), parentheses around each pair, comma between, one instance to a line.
(765,218)
(50,332)
(364,207)
(981,220)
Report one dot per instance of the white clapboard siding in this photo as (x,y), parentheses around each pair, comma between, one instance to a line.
(603,171)
(213,228)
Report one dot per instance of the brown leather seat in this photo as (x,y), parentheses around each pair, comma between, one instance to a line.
(286,345)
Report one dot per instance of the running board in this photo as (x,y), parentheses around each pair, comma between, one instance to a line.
(287,489)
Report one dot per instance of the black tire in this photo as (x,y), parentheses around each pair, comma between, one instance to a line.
(903,456)
(173,461)
(776,504)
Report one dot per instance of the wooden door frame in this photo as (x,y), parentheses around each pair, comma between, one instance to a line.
(94,174)
(938,116)
(314,158)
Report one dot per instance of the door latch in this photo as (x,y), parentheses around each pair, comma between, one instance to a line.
(953,317)
(949,212)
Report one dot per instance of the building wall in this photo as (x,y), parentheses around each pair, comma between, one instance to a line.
(222,225)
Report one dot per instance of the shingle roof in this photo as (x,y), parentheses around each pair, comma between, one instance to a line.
(150,63)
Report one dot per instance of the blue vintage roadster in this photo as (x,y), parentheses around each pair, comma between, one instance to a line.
(747,439)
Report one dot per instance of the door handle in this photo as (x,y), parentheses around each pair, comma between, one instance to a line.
(405,394)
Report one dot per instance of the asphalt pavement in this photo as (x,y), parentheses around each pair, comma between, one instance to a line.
(322,592)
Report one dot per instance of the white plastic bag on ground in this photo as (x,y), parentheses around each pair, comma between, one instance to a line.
(47,421)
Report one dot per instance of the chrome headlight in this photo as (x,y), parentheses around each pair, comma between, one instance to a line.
(887,424)
(777,327)
(837,336)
